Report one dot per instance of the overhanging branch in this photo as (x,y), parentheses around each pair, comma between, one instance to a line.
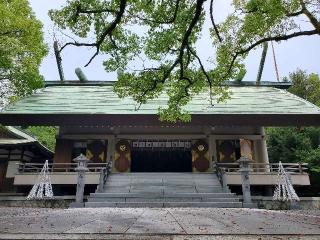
(268,39)
(216,30)
(108,31)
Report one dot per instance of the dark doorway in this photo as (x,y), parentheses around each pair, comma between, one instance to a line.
(161,161)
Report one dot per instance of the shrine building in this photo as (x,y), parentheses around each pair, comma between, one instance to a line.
(94,121)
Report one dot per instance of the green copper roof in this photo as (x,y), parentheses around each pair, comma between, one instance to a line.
(12,136)
(102,100)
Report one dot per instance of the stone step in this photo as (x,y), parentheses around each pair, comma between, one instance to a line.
(171,199)
(161,195)
(164,204)
(163,180)
(163,190)
(110,186)
(161,187)
(159,177)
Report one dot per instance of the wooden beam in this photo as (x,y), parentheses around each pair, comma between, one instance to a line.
(162,136)
(75,119)
(249,137)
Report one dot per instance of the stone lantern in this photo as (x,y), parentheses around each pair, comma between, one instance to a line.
(246,192)
(82,163)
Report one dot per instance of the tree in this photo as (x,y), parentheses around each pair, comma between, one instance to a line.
(21,47)
(298,144)
(45,135)
(162,35)
(294,145)
(306,86)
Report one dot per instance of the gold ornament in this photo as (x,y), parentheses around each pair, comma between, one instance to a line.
(200,147)
(123,148)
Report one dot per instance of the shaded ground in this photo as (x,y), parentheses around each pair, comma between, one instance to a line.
(167,223)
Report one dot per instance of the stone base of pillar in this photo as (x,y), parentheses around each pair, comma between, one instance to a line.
(249,205)
(76,205)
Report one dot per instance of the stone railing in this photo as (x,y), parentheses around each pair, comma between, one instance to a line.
(261,173)
(104,174)
(263,167)
(57,167)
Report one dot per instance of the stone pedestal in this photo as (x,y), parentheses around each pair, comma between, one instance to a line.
(246,192)
(81,168)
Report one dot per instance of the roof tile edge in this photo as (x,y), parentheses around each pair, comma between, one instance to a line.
(281,85)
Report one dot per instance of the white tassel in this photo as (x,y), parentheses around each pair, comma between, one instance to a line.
(284,190)
(42,189)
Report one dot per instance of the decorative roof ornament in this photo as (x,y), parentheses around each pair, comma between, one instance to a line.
(284,190)
(42,189)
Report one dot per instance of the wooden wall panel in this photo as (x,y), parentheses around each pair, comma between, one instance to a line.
(63,151)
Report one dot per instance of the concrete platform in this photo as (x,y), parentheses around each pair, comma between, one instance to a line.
(162,223)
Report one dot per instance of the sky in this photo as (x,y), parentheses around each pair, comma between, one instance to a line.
(290,55)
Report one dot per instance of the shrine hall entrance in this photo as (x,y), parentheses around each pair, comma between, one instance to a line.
(171,160)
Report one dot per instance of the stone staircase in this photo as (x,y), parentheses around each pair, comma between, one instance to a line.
(163,190)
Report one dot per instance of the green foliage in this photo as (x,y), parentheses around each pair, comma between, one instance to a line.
(295,145)
(21,46)
(253,23)
(298,144)
(45,135)
(152,44)
(306,86)
(159,37)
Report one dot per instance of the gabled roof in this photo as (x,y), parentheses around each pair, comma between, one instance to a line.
(98,103)
(12,136)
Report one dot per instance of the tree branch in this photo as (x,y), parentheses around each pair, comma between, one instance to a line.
(170,21)
(108,31)
(80,10)
(216,30)
(10,32)
(313,20)
(204,72)
(294,14)
(184,43)
(268,39)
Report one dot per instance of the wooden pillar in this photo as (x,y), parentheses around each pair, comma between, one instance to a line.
(261,152)
(63,151)
(213,150)
(210,149)
(110,149)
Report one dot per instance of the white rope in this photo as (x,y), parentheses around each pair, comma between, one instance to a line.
(42,189)
(284,190)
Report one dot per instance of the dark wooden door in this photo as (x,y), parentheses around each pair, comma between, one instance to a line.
(161,161)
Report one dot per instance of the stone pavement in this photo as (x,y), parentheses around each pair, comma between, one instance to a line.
(157,223)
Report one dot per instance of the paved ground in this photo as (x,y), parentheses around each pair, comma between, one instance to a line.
(169,223)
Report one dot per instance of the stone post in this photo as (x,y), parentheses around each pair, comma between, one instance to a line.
(224,179)
(100,185)
(81,168)
(244,170)
(101,179)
